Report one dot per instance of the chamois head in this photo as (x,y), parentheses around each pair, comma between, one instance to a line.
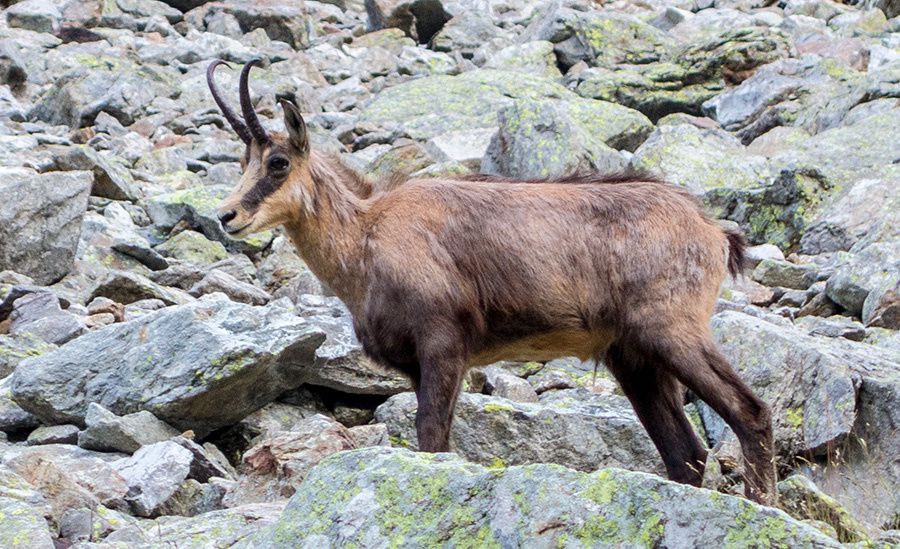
(275,166)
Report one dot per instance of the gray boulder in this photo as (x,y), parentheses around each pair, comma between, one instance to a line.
(12,417)
(180,363)
(114,84)
(40,221)
(549,144)
(468,101)
(852,215)
(108,432)
(815,385)
(572,427)
(382,496)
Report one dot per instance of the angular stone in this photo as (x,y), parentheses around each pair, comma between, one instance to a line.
(225,528)
(54,434)
(220,281)
(181,364)
(108,432)
(40,315)
(802,499)
(111,177)
(384,496)
(514,388)
(154,474)
(35,15)
(125,288)
(12,417)
(772,272)
(874,266)
(40,221)
(340,363)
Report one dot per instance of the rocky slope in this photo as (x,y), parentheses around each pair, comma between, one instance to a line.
(162,384)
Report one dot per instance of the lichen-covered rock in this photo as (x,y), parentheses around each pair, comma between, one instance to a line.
(197,206)
(773,272)
(16,348)
(193,247)
(700,160)
(23,526)
(40,221)
(825,152)
(803,500)
(535,57)
(468,101)
(572,427)
(107,82)
(391,497)
(539,140)
(812,94)
(181,364)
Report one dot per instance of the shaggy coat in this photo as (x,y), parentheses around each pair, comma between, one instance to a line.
(445,274)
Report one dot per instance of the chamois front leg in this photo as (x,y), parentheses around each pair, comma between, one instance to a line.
(439,384)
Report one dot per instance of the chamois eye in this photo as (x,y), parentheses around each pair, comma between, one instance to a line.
(278,163)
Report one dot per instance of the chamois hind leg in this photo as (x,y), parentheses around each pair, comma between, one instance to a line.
(657,399)
(441,370)
(697,362)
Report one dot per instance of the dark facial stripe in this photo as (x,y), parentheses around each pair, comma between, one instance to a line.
(263,188)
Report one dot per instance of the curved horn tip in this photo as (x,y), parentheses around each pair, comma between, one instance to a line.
(253,123)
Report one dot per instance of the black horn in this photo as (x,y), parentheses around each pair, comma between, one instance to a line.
(256,130)
(236,123)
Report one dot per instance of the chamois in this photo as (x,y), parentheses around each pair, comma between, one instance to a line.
(444,274)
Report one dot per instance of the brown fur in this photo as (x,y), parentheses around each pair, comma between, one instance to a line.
(445,274)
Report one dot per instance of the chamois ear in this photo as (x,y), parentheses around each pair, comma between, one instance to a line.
(296,127)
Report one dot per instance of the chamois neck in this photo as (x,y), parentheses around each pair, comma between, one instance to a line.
(328,231)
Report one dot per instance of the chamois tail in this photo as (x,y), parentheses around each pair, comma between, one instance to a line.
(737,252)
